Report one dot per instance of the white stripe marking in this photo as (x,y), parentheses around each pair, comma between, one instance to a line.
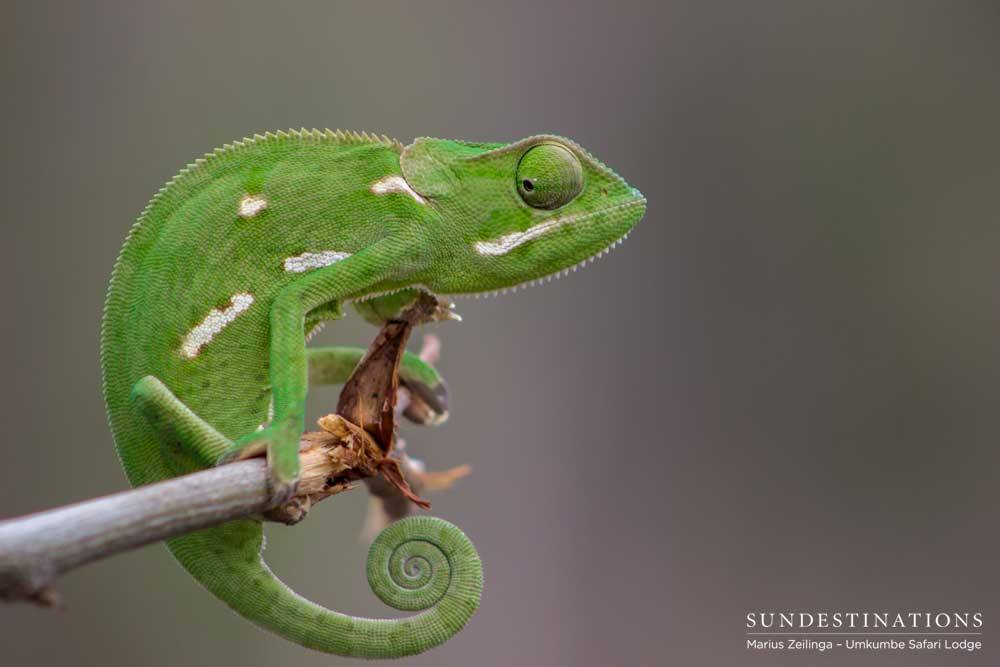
(504,244)
(214,322)
(395,184)
(314,260)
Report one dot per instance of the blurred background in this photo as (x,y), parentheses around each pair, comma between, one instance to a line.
(779,394)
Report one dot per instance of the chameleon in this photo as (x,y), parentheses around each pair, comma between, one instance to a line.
(244,253)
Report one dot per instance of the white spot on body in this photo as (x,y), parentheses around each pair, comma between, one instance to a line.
(395,183)
(251,205)
(214,322)
(314,260)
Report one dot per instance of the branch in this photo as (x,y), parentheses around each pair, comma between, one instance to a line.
(37,548)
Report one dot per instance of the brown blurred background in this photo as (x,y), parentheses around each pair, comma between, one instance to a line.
(780,394)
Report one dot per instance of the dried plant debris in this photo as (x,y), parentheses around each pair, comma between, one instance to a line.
(359,440)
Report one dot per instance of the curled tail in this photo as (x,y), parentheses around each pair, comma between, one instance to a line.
(417,564)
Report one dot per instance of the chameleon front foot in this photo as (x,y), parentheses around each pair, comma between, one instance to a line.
(281,444)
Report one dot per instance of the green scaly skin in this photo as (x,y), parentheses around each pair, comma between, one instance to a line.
(246,250)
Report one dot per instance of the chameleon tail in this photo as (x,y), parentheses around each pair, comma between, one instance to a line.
(419,563)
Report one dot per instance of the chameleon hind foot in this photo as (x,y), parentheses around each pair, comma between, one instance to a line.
(194,439)
(280,441)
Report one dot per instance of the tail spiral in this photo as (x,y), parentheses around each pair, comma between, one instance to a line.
(417,564)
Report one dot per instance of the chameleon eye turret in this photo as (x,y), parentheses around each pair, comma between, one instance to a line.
(549,176)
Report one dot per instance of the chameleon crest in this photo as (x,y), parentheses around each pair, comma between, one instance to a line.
(250,248)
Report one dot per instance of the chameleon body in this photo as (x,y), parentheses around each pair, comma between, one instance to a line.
(244,252)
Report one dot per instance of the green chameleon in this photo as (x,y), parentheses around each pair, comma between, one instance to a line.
(246,251)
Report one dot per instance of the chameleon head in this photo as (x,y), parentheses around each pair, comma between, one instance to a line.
(515,213)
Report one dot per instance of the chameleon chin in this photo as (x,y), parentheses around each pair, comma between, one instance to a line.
(251,247)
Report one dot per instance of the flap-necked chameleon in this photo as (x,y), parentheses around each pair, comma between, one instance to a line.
(246,250)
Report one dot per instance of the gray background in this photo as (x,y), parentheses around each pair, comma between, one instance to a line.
(781,393)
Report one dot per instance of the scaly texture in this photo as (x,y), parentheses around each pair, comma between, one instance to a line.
(247,250)
(414,564)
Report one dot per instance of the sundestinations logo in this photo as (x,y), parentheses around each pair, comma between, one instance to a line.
(864,631)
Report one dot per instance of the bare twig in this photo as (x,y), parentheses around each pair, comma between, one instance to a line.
(37,548)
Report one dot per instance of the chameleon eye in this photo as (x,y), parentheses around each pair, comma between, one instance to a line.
(548,176)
